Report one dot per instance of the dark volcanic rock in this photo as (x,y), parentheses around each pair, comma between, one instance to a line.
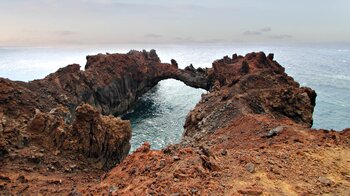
(273,132)
(249,135)
(110,83)
(252,84)
(250,167)
(173,62)
(57,134)
(3,150)
(245,67)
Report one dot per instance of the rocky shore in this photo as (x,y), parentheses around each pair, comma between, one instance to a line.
(249,135)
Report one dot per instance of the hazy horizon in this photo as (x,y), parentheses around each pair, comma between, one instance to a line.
(93,22)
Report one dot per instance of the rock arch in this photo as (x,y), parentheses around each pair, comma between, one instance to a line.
(113,82)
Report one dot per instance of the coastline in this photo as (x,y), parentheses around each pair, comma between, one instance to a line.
(244,137)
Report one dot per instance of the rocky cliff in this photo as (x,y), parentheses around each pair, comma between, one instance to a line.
(249,135)
(254,84)
(110,84)
(61,123)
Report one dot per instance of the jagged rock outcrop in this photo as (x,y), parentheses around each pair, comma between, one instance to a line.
(254,84)
(110,83)
(45,129)
(127,77)
(249,135)
(105,139)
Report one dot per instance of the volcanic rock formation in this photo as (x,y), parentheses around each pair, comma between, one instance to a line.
(253,84)
(249,135)
(110,83)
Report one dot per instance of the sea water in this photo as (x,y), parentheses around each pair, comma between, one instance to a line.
(159,115)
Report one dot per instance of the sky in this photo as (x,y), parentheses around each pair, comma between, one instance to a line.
(84,22)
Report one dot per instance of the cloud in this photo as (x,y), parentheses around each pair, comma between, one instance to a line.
(259,32)
(266,29)
(266,33)
(192,40)
(214,40)
(254,33)
(184,39)
(64,33)
(148,6)
(283,36)
(153,36)
(105,2)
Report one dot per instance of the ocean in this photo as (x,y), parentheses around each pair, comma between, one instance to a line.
(159,115)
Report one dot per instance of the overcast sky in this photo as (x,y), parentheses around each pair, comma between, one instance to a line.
(50,22)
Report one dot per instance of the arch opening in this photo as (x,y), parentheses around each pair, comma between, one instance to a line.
(159,115)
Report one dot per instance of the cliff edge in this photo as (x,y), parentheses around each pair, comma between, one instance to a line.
(249,135)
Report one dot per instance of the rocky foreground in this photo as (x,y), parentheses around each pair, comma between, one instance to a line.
(249,135)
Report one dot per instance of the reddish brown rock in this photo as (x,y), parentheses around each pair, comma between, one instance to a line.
(48,129)
(110,83)
(105,138)
(102,138)
(41,123)
(253,84)
(261,118)
(254,118)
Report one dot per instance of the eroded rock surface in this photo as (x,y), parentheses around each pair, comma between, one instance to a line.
(103,138)
(110,83)
(254,84)
(60,124)
(249,135)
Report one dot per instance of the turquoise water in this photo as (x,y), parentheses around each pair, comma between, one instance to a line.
(159,115)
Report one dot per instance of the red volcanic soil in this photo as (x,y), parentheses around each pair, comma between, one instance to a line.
(239,160)
(249,135)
